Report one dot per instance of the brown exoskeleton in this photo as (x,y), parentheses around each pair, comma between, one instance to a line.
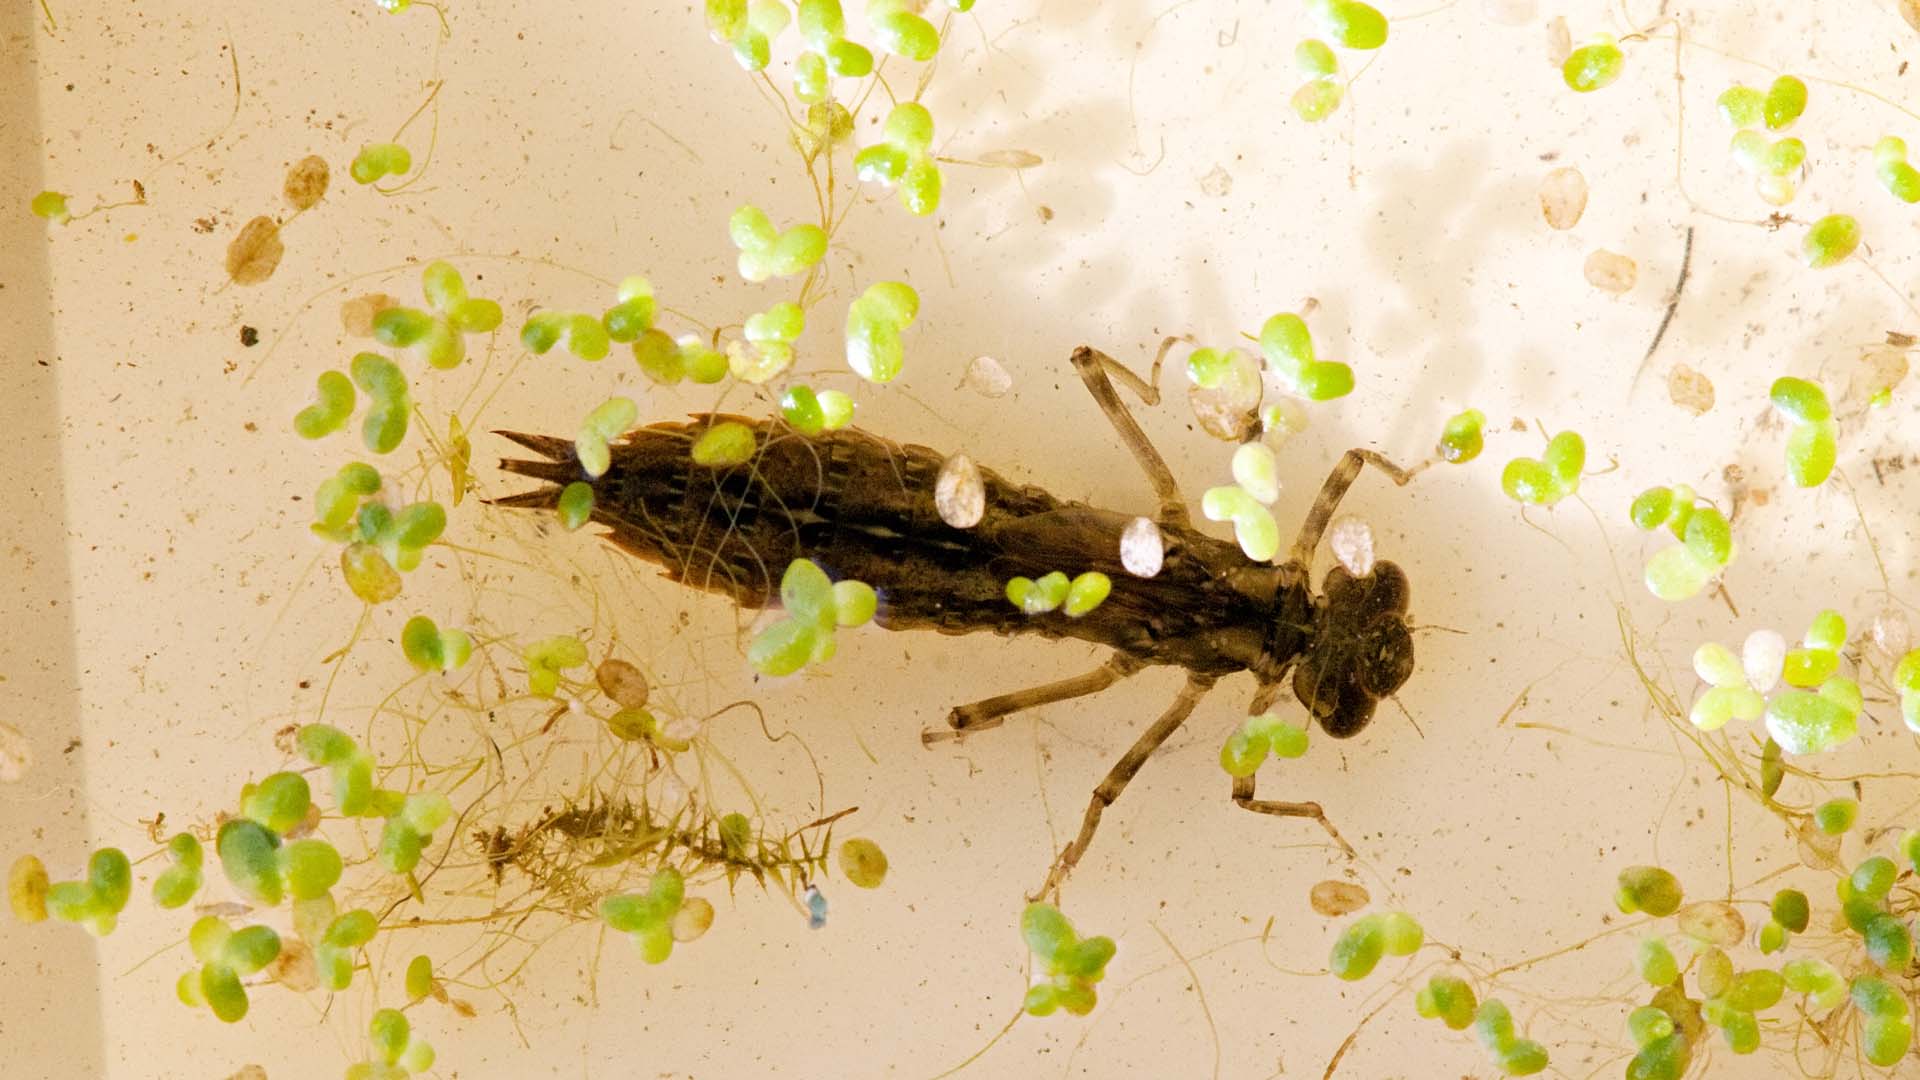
(863,508)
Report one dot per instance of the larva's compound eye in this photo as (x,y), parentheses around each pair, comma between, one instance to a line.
(1361,652)
(1386,657)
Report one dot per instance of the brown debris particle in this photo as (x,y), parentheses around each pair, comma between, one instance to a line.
(1563,198)
(1611,272)
(255,253)
(306,182)
(1335,898)
(356,315)
(623,683)
(1689,389)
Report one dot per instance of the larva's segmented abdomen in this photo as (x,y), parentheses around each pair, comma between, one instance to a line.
(862,507)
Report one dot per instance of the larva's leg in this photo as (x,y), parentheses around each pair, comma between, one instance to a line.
(1243,798)
(992,712)
(1110,788)
(1263,700)
(1331,492)
(1095,367)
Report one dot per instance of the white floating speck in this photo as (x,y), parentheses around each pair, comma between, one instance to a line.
(986,377)
(1508,12)
(1891,632)
(958,493)
(1764,656)
(1141,549)
(1559,41)
(1352,542)
(1282,419)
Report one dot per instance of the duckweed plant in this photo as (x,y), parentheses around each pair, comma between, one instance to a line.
(363,834)
(308,881)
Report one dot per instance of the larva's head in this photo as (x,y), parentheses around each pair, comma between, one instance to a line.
(1362,650)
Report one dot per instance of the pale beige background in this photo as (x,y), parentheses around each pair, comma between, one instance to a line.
(152,533)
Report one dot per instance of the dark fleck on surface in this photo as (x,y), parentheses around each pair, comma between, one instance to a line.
(249,336)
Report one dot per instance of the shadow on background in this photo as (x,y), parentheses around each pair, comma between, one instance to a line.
(48,1012)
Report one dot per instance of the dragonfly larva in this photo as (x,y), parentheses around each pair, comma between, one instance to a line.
(862,507)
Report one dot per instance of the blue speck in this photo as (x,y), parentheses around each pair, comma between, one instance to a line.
(816,907)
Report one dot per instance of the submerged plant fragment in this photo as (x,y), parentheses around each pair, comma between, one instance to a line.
(376,161)
(1066,965)
(816,607)
(333,404)
(1830,240)
(1362,944)
(905,158)
(1812,445)
(648,918)
(875,321)
(438,333)
(1593,66)
(766,252)
(52,206)
(1550,478)
(1355,25)
(1247,748)
(1706,544)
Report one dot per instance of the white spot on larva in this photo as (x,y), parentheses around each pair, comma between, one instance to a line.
(1141,548)
(958,493)
(1352,542)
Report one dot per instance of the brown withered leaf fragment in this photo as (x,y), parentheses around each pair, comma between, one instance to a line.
(1336,898)
(307,182)
(1712,921)
(1689,389)
(1611,272)
(294,968)
(1818,850)
(1011,159)
(1879,370)
(622,683)
(356,315)
(1894,337)
(1563,198)
(255,253)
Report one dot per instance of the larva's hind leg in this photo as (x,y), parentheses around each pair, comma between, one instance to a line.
(1243,786)
(1117,778)
(1243,798)
(993,711)
(1098,370)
